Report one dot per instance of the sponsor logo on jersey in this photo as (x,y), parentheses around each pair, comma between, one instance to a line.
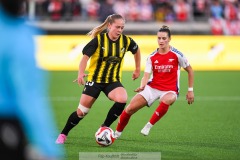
(163,68)
(156,61)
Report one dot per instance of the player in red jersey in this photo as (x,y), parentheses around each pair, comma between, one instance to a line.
(163,65)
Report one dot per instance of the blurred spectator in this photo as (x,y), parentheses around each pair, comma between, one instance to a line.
(133,10)
(216,26)
(71,9)
(164,11)
(160,13)
(67,9)
(93,9)
(230,10)
(216,9)
(216,17)
(238,11)
(119,7)
(200,9)
(146,11)
(76,9)
(223,15)
(55,9)
(106,9)
(231,19)
(84,5)
(231,27)
(169,13)
(41,9)
(182,10)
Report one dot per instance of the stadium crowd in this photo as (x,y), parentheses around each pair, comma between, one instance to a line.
(223,15)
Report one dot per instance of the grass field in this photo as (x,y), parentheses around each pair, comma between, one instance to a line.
(207,130)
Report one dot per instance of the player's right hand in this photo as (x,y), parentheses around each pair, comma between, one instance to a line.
(139,89)
(80,80)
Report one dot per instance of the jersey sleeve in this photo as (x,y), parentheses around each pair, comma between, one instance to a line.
(148,67)
(183,62)
(133,47)
(91,47)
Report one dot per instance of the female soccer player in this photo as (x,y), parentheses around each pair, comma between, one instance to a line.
(164,64)
(106,52)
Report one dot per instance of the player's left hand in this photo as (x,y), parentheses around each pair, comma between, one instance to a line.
(190,97)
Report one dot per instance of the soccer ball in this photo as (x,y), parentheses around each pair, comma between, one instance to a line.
(104,136)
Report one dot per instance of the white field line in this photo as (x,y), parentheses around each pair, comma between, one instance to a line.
(199,98)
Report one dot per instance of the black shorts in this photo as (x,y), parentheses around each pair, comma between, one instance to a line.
(13,142)
(94,89)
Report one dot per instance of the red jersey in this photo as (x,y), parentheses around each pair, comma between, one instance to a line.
(165,69)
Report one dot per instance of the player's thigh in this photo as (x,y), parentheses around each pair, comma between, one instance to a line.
(87,101)
(118,94)
(137,102)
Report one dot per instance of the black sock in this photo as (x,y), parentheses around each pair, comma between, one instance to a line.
(113,113)
(72,121)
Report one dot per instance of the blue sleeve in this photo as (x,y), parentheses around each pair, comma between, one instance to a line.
(31,92)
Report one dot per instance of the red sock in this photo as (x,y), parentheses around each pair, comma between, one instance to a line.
(123,121)
(159,113)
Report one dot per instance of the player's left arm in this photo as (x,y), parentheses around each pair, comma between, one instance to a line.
(133,47)
(190,94)
(137,58)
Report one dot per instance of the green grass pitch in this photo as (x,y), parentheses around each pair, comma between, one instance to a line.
(207,130)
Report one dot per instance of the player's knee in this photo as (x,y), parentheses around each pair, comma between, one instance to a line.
(169,98)
(121,99)
(82,111)
(169,101)
(130,110)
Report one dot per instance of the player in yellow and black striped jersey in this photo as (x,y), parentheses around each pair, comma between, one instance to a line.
(105,52)
(107,57)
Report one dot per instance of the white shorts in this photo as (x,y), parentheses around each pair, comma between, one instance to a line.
(151,94)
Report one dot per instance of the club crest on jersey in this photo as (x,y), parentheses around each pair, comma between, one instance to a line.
(170,60)
(123,50)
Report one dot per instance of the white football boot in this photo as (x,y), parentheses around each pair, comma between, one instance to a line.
(117,134)
(146,129)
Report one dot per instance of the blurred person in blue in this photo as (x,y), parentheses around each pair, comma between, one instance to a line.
(26,122)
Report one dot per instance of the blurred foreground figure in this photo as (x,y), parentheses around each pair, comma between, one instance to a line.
(26,122)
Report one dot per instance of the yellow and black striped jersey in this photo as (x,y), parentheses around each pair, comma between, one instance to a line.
(106,57)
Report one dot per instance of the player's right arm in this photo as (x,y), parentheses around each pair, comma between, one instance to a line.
(144,82)
(146,76)
(82,68)
(88,51)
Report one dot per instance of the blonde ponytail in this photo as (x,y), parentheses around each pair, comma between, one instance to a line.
(110,19)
